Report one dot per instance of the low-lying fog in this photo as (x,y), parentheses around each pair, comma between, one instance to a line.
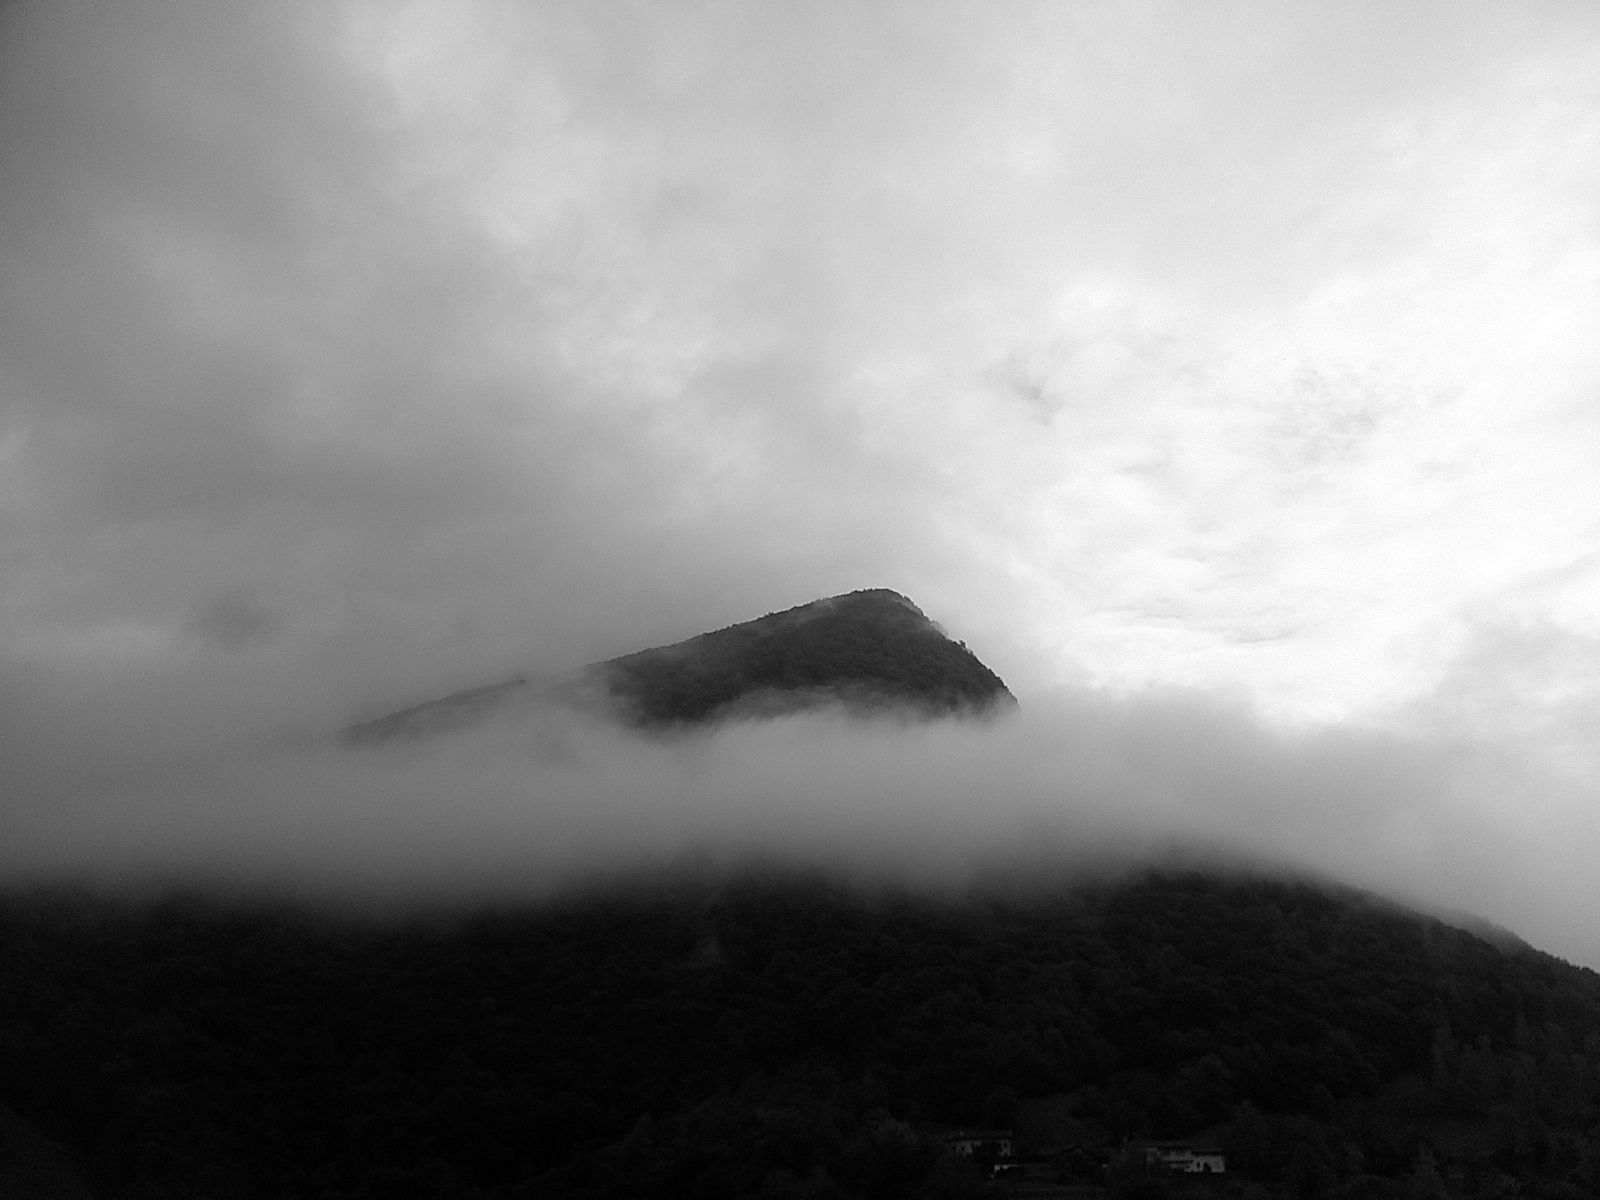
(546,797)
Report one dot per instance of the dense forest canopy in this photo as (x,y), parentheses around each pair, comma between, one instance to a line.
(773,1034)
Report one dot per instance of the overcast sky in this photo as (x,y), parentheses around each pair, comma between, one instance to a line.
(1226,376)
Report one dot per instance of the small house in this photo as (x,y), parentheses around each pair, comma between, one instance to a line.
(987,1144)
(1184,1157)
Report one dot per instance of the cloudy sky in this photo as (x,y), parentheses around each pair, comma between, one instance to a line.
(1225,375)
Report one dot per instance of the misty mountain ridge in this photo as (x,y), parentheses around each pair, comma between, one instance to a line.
(871,651)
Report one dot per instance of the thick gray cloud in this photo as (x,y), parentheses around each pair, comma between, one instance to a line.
(350,354)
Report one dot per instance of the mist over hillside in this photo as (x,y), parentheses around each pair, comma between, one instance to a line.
(528,804)
(1220,376)
(518,943)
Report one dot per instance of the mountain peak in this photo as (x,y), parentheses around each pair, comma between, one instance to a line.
(870,649)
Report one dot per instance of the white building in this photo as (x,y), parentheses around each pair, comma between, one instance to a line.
(1180,1156)
(985,1143)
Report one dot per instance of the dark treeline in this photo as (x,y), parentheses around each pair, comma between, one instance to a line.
(776,1036)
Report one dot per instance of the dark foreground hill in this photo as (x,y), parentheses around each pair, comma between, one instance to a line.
(770,1036)
(869,649)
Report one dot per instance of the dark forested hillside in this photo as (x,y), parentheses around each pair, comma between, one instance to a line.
(771,1035)
(868,649)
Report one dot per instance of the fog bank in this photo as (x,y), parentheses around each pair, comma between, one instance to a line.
(547,798)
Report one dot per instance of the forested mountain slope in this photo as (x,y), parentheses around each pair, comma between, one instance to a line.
(770,1035)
